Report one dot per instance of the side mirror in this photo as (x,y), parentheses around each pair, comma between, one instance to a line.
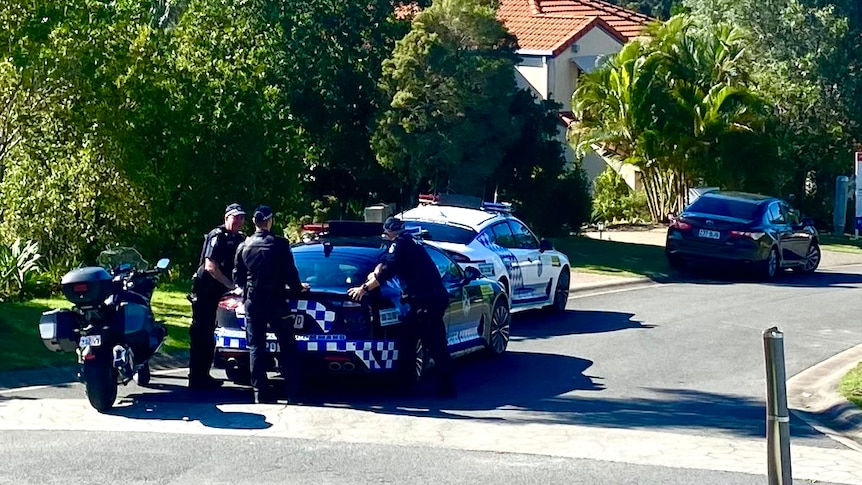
(807,222)
(163,263)
(472,273)
(546,245)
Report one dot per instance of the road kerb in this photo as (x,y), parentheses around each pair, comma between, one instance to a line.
(813,396)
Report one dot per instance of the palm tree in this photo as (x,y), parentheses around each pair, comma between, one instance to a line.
(669,105)
(618,109)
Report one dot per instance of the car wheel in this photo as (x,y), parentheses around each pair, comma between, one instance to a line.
(238,375)
(812,259)
(771,264)
(498,333)
(675,262)
(505,284)
(410,373)
(142,377)
(561,292)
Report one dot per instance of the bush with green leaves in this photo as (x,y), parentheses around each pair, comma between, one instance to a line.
(19,269)
(614,201)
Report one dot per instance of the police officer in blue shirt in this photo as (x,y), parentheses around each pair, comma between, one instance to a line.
(211,281)
(265,269)
(424,291)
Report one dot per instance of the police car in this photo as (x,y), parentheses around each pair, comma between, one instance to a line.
(488,236)
(335,334)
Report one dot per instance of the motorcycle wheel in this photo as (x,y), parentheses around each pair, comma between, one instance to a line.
(142,377)
(100,379)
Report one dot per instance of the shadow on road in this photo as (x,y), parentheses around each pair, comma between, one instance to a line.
(524,387)
(532,325)
(728,276)
(176,402)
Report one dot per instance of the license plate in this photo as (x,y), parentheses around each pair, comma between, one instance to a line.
(389,317)
(708,234)
(90,341)
(272,347)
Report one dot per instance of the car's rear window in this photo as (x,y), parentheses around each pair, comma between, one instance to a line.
(338,270)
(433,231)
(739,209)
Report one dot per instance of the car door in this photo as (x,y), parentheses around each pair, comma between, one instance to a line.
(797,239)
(526,250)
(780,231)
(464,310)
(503,244)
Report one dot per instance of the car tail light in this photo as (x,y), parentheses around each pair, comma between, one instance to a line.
(749,234)
(680,224)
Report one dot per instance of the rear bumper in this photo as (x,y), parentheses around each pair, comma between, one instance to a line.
(694,250)
(335,356)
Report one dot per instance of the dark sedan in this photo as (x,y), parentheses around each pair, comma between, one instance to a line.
(736,227)
(337,335)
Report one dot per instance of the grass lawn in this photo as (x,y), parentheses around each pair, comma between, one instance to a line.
(851,386)
(843,244)
(611,257)
(23,349)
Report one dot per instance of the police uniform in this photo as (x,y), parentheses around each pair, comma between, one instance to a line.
(265,267)
(423,289)
(220,246)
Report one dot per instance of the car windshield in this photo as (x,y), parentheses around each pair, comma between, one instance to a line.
(122,259)
(434,231)
(338,270)
(722,206)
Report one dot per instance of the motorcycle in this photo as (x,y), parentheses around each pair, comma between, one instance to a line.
(111,326)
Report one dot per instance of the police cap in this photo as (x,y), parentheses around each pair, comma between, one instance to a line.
(262,213)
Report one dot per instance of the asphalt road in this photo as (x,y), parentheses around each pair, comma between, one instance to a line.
(599,395)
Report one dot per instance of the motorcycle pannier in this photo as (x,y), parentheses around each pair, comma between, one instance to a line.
(57,329)
(87,286)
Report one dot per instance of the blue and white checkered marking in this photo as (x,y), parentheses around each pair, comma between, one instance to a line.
(510,261)
(375,354)
(387,352)
(318,312)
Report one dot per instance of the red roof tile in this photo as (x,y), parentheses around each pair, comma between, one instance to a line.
(553,25)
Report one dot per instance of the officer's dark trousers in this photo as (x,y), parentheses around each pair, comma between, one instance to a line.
(262,314)
(201,339)
(425,321)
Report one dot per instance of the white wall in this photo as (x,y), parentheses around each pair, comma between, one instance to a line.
(565,72)
(556,78)
(532,73)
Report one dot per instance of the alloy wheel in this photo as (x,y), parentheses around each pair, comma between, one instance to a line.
(772,263)
(561,294)
(419,364)
(500,321)
(812,259)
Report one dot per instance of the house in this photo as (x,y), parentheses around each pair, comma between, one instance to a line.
(560,39)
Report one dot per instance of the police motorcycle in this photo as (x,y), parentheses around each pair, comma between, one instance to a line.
(111,326)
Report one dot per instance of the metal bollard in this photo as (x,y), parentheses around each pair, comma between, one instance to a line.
(777,415)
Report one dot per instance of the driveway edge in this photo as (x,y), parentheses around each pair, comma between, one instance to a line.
(813,396)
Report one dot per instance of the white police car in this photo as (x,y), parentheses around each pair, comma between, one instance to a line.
(487,235)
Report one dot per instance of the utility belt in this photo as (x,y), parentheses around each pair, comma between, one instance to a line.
(205,287)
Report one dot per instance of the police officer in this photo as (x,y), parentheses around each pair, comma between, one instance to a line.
(423,289)
(264,268)
(211,281)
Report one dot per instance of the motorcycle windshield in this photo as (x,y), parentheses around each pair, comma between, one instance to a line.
(122,259)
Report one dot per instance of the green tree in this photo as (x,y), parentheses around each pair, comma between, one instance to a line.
(620,111)
(805,60)
(448,86)
(676,107)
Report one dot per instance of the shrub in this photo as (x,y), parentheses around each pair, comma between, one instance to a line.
(614,201)
(19,269)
